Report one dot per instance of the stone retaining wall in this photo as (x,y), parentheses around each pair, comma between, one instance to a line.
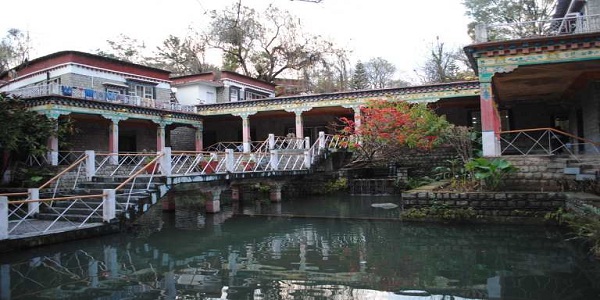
(538,173)
(489,204)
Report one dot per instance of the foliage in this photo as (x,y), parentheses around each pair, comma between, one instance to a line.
(464,140)
(386,127)
(125,48)
(585,225)
(490,172)
(509,11)
(24,132)
(444,65)
(415,182)
(440,211)
(337,185)
(380,72)
(360,79)
(329,74)
(14,49)
(182,56)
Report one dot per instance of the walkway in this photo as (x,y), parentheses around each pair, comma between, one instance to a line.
(98,188)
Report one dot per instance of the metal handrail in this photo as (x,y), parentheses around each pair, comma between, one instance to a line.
(69,168)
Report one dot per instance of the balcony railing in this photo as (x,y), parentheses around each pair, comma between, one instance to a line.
(570,24)
(90,94)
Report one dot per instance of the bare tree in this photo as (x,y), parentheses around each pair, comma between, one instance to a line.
(262,45)
(125,48)
(380,72)
(182,56)
(443,65)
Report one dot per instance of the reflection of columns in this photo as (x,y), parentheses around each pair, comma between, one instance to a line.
(235,193)
(490,121)
(198,137)
(110,260)
(275,192)
(213,203)
(5,282)
(93,273)
(298,121)
(246,138)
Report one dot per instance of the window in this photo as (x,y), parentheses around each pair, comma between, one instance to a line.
(210,97)
(251,94)
(144,91)
(234,94)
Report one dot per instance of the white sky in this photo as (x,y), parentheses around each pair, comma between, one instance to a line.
(400,31)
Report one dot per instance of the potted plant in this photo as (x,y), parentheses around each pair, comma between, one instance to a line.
(150,165)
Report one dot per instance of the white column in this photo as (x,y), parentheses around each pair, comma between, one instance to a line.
(3,217)
(321,140)
(108,205)
(165,162)
(90,164)
(229,160)
(33,207)
(271,141)
(274,161)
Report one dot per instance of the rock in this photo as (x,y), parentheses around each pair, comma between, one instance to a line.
(384,205)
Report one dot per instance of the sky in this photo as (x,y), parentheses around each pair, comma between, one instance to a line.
(400,31)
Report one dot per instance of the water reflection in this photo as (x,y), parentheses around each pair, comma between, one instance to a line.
(189,255)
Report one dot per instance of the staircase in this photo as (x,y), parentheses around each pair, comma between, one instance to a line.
(584,168)
(132,199)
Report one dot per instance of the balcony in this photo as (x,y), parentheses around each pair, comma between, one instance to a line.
(90,94)
(569,25)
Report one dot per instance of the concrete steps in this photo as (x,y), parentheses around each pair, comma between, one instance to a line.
(583,169)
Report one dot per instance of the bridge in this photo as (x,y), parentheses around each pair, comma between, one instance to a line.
(96,190)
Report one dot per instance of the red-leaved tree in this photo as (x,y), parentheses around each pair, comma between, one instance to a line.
(388,127)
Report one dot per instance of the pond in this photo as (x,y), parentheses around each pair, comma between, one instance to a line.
(346,250)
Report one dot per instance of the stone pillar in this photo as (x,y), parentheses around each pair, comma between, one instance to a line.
(160,137)
(113,141)
(271,141)
(229,160)
(3,217)
(53,149)
(165,162)
(275,192)
(198,138)
(52,142)
(213,203)
(274,160)
(490,121)
(168,203)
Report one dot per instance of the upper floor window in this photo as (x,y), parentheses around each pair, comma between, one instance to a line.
(251,94)
(234,94)
(144,91)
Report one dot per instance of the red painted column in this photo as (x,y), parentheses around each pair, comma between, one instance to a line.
(299,124)
(490,121)
(198,138)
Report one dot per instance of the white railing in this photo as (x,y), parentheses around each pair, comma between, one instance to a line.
(570,24)
(545,141)
(91,94)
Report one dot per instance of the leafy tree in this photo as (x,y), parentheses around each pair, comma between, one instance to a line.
(380,72)
(444,65)
(262,45)
(360,79)
(510,11)
(386,127)
(24,132)
(14,49)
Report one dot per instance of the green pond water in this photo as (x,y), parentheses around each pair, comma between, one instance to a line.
(246,252)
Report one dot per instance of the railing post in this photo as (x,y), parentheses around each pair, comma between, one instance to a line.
(271,141)
(3,217)
(165,162)
(109,204)
(90,164)
(306,142)
(274,159)
(321,140)
(307,159)
(229,160)
(33,207)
